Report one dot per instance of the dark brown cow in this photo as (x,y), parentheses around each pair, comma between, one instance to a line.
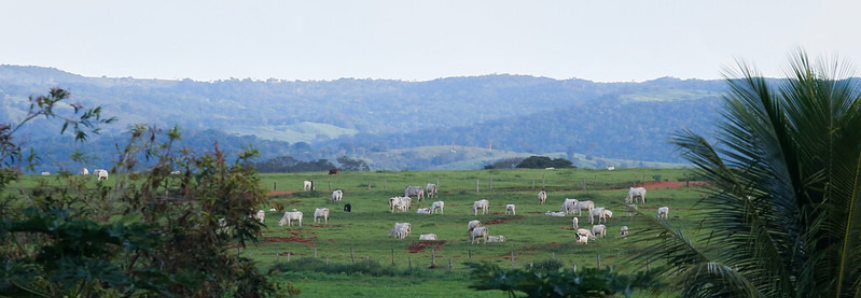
(333,172)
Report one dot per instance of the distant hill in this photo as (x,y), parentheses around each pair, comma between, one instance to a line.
(371,119)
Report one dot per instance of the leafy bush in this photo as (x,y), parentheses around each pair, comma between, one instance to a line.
(543,162)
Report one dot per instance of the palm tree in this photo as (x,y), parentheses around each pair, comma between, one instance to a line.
(783,207)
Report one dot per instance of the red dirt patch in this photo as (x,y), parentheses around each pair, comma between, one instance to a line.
(281,192)
(307,241)
(502,220)
(554,244)
(670,184)
(421,245)
(534,212)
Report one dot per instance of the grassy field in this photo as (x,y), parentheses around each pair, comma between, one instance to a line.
(401,268)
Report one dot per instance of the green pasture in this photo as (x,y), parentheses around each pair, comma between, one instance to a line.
(362,235)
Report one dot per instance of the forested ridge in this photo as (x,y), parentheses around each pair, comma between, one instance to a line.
(506,112)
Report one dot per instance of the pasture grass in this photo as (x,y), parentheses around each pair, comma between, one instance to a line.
(400,267)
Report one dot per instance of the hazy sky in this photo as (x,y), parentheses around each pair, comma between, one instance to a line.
(604,41)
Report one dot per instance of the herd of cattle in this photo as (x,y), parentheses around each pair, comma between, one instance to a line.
(476,232)
(99,173)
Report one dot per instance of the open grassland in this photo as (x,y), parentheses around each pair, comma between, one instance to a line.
(401,268)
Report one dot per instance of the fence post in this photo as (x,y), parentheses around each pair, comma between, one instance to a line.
(512,259)
(599,260)
(686,181)
(409,263)
(553,255)
(352,259)
(288,257)
(490,184)
(277,256)
(533,184)
(476,185)
(327,259)
(393,256)
(470,256)
(596,180)
(584,184)
(575,268)
(542,181)
(449,264)
(384,184)
(369,185)
(433,258)
(330,185)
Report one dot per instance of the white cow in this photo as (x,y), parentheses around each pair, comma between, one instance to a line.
(499,238)
(631,209)
(599,230)
(261,216)
(509,208)
(472,225)
(400,230)
(634,193)
(569,206)
(321,213)
(431,190)
(438,205)
(400,203)
(576,222)
(222,225)
(337,195)
(102,174)
(583,205)
(423,210)
(610,168)
(480,204)
(664,212)
(479,233)
(427,236)
(289,217)
(624,232)
(542,196)
(586,233)
(85,171)
(308,186)
(600,213)
(414,191)
(582,239)
(46,173)
(555,213)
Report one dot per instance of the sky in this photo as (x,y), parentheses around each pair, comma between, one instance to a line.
(601,41)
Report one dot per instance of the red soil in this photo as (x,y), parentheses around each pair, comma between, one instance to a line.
(308,241)
(281,192)
(420,246)
(502,220)
(670,184)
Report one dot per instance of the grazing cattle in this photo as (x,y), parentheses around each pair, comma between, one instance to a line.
(46,173)
(309,185)
(400,203)
(599,230)
(414,191)
(583,205)
(337,195)
(289,217)
(175,173)
(348,208)
(471,226)
(261,216)
(634,193)
(599,213)
(509,208)
(438,205)
(576,223)
(85,171)
(431,190)
(321,213)
(624,232)
(101,174)
(423,211)
(569,206)
(542,196)
(610,168)
(401,230)
(582,239)
(427,236)
(586,233)
(272,210)
(479,233)
(499,238)
(333,172)
(631,209)
(555,214)
(664,212)
(480,204)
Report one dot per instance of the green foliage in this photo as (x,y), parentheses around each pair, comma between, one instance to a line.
(542,162)
(287,164)
(548,282)
(146,233)
(350,164)
(784,216)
